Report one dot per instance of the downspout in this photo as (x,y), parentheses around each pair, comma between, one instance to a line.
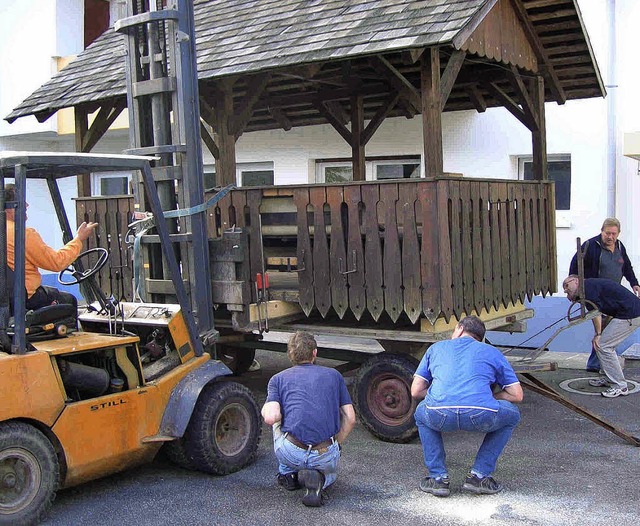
(612,88)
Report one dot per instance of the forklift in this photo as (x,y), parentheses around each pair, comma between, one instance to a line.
(78,405)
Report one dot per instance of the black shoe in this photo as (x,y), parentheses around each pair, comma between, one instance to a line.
(592,370)
(289,481)
(481,486)
(313,481)
(436,486)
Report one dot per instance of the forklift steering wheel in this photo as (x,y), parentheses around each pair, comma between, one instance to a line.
(79,277)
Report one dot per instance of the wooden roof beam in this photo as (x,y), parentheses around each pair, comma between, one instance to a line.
(477,99)
(280,117)
(334,120)
(547,68)
(523,94)
(456,60)
(209,141)
(397,80)
(255,90)
(379,117)
(501,96)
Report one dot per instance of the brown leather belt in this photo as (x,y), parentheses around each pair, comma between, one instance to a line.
(320,448)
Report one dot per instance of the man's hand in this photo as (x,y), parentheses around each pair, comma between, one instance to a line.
(636,290)
(85,230)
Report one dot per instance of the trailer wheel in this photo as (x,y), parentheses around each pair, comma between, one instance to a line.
(237,359)
(29,474)
(224,431)
(382,398)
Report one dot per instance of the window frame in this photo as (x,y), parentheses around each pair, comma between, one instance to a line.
(370,165)
(563,217)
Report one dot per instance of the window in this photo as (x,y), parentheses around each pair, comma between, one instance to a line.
(110,183)
(559,167)
(247,174)
(376,169)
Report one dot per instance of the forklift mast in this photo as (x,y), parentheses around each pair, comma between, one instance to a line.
(164,121)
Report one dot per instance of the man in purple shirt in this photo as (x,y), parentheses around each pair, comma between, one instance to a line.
(311,413)
(455,383)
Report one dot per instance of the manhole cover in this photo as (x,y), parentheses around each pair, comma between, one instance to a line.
(581,386)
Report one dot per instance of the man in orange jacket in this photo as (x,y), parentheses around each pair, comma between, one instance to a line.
(39,255)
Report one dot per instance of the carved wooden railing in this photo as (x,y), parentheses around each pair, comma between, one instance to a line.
(420,248)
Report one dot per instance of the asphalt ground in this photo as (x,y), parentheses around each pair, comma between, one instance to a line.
(558,469)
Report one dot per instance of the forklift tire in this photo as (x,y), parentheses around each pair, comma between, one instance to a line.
(224,431)
(236,358)
(382,397)
(177,454)
(29,474)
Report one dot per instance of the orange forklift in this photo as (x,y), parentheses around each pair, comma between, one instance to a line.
(78,405)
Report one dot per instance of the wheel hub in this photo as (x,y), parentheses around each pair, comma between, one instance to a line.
(232,429)
(390,399)
(20,475)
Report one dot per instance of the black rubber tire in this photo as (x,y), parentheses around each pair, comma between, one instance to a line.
(176,453)
(237,359)
(224,431)
(29,474)
(382,397)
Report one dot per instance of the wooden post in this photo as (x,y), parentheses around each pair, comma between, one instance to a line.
(357,145)
(539,135)
(81,129)
(431,112)
(226,163)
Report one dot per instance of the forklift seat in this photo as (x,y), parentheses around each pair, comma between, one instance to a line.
(51,321)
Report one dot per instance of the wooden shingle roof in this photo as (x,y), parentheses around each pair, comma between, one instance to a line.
(241,38)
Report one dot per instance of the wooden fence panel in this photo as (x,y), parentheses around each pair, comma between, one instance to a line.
(392,255)
(321,270)
(338,262)
(373,251)
(445,272)
(411,281)
(430,251)
(303,251)
(355,252)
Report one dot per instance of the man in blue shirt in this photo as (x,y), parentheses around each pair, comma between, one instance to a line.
(623,306)
(455,382)
(311,413)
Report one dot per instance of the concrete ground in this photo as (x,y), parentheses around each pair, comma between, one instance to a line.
(559,469)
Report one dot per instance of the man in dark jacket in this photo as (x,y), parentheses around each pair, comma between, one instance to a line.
(623,306)
(606,257)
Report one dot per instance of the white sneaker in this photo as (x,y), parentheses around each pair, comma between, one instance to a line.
(599,382)
(614,392)
(255,366)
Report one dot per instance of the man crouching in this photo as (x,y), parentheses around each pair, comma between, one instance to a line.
(311,413)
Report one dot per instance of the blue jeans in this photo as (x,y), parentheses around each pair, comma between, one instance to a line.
(498,426)
(292,458)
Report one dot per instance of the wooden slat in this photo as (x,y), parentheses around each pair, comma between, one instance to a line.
(429,250)
(355,252)
(373,252)
(537,270)
(468,302)
(446,276)
(544,239)
(496,266)
(339,263)
(504,244)
(239,200)
(476,244)
(100,240)
(487,260)
(254,200)
(412,296)
(321,270)
(303,251)
(455,233)
(391,257)
(529,248)
(518,255)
